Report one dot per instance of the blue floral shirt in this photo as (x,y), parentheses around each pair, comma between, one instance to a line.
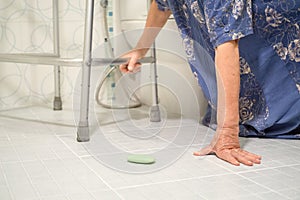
(269,43)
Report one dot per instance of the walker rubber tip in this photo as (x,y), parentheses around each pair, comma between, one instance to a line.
(140,159)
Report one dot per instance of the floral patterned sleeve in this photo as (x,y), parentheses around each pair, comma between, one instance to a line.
(162,5)
(228,19)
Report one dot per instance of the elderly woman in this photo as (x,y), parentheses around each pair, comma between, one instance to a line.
(254,87)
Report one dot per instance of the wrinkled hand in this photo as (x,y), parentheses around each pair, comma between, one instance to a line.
(226,147)
(132,64)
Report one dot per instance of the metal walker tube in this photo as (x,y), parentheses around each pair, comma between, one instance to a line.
(57,103)
(155,111)
(83,126)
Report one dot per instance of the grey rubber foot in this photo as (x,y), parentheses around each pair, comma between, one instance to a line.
(83,134)
(155,114)
(57,103)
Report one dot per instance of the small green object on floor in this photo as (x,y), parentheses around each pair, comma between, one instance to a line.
(140,159)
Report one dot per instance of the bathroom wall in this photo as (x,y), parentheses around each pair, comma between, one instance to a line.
(26,26)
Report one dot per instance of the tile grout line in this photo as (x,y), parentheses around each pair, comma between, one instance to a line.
(240,175)
(136,186)
(295,146)
(8,187)
(53,178)
(280,194)
(41,161)
(267,168)
(27,175)
(261,185)
(22,165)
(109,186)
(58,157)
(170,181)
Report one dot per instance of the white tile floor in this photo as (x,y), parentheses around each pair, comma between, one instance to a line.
(40,159)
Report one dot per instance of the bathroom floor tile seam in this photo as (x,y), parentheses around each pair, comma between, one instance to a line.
(226,167)
(59,137)
(256,194)
(243,172)
(54,179)
(53,126)
(118,190)
(256,170)
(98,176)
(75,153)
(178,180)
(229,172)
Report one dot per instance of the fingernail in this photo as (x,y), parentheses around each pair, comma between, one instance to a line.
(130,68)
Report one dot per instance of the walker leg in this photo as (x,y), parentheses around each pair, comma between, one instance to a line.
(83,126)
(57,103)
(155,111)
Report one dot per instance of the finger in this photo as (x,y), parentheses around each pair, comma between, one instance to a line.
(242,157)
(123,68)
(132,63)
(246,157)
(226,156)
(253,157)
(137,68)
(205,151)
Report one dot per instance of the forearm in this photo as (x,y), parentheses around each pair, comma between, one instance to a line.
(156,19)
(228,80)
(226,144)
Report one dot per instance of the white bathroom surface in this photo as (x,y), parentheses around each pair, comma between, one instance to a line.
(40,159)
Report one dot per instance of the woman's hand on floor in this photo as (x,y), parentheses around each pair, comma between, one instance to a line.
(227,147)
